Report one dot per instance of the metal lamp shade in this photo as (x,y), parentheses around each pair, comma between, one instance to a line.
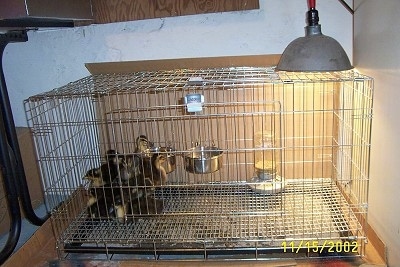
(314,52)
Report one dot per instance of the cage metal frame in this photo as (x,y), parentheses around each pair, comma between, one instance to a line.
(323,124)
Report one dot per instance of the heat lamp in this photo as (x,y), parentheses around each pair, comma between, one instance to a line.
(315,52)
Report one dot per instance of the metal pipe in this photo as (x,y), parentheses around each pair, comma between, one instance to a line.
(9,129)
(11,195)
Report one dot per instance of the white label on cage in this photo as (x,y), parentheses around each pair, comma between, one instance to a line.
(194,102)
(195,81)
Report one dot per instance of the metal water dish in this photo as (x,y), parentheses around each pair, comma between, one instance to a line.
(203,159)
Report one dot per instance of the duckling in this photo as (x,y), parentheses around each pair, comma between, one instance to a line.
(108,201)
(118,168)
(120,207)
(143,144)
(112,155)
(106,173)
(129,168)
(155,170)
(99,208)
(152,175)
(145,205)
(102,175)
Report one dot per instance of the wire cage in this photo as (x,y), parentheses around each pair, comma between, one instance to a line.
(207,163)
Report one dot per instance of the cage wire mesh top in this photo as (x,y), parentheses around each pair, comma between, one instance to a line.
(314,169)
(113,83)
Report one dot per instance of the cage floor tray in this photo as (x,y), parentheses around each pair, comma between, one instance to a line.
(223,216)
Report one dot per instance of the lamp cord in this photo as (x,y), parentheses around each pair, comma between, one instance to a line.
(343,2)
(311,5)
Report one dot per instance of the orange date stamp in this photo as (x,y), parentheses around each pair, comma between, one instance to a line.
(319,246)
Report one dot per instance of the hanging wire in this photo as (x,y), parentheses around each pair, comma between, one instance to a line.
(343,2)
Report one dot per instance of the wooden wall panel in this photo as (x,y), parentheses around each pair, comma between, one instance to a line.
(106,11)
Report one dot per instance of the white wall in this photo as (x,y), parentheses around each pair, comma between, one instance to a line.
(52,58)
(377,54)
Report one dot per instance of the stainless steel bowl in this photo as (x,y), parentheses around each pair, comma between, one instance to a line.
(203,159)
(170,164)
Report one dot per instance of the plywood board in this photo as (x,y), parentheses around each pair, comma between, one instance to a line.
(183,63)
(124,10)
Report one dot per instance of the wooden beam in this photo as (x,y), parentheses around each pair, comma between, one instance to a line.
(105,11)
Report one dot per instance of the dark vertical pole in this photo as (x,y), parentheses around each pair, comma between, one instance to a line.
(14,179)
(11,195)
(8,120)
